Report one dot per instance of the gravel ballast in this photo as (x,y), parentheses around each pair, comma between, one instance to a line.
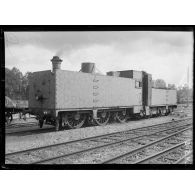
(18,142)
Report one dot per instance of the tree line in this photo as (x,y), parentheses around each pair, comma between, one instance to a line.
(17,86)
(184,94)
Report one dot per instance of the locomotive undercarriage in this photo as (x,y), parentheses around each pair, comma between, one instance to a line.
(76,119)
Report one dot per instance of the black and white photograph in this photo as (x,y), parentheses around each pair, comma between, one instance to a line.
(99,97)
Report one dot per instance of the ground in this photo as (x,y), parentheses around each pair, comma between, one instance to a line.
(18,142)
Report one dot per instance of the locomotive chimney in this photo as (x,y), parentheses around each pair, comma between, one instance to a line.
(56,63)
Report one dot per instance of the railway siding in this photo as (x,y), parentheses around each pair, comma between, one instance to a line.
(101,142)
(17,142)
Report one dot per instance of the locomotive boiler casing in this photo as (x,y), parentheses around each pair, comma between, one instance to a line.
(83,91)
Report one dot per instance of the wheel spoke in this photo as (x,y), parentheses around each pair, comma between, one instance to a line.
(76,120)
(103,118)
(121,116)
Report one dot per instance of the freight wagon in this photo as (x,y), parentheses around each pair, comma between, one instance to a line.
(68,98)
(13,107)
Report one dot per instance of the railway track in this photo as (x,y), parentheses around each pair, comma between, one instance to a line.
(185,159)
(149,152)
(55,152)
(167,154)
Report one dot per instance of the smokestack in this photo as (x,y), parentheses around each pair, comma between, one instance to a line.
(88,67)
(56,63)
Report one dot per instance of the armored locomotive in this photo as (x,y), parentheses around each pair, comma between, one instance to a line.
(68,98)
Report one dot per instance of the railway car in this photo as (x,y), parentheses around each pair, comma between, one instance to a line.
(13,107)
(68,98)
(9,109)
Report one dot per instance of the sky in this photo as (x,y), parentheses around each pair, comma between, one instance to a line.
(165,55)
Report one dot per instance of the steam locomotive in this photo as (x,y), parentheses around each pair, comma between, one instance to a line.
(67,98)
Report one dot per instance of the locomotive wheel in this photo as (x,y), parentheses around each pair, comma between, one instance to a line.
(76,120)
(121,116)
(103,118)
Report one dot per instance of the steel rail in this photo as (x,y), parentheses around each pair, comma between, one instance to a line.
(103,146)
(66,143)
(93,137)
(154,156)
(145,146)
(74,141)
(183,158)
